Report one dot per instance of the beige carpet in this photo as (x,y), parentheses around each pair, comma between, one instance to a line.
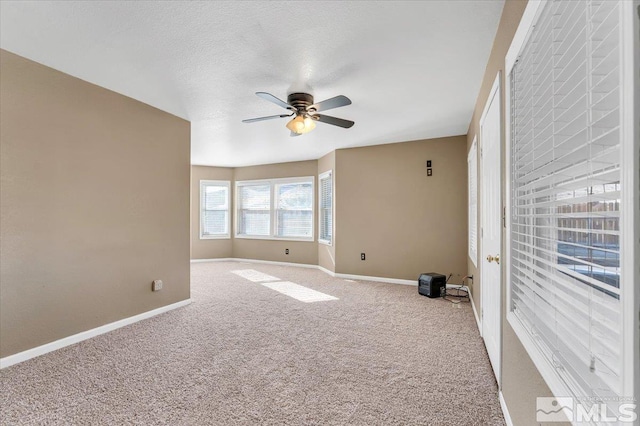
(243,353)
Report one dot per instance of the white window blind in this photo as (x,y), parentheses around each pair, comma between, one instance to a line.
(326,207)
(565,192)
(214,209)
(472,170)
(275,208)
(254,209)
(294,214)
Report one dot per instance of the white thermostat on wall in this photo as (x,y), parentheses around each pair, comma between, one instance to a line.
(157,285)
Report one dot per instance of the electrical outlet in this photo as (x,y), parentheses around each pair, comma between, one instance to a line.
(157,285)
(286,251)
(362,256)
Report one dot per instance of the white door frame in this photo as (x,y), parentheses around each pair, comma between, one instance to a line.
(495,91)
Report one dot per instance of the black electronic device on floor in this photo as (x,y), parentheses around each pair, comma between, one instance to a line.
(432,285)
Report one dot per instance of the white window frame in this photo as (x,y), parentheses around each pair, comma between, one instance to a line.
(472,172)
(223,183)
(630,205)
(273,210)
(321,177)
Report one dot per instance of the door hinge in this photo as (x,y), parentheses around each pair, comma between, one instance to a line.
(504,217)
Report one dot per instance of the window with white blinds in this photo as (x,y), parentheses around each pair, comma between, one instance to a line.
(214,209)
(565,195)
(275,208)
(254,209)
(472,170)
(326,207)
(294,209)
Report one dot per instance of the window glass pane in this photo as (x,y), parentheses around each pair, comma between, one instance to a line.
(254,215)
(295,196)
(294,209)
(472,171)
(254,222)
(214,216)
(326,208)
(215,222)
(588,234)
(216,197)
(255,197)
(295,223)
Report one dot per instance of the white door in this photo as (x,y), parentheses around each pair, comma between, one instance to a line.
(491,234)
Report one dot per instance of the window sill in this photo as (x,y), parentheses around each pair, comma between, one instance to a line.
(215,237)
(540,361)
(271,238)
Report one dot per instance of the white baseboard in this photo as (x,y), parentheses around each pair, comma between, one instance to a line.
(326,271)
(273,262)
(475,313)
(376,279)
(70,340)
(221,259)
(505,410)
(267,262)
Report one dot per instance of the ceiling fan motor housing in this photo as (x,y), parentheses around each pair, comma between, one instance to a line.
(300,101)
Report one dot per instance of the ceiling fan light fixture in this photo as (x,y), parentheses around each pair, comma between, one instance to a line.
(301,124)
(306,111)
(309,123)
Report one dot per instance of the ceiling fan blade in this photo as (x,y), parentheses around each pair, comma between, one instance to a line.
(338,101)
(271,117)
(269,97)
(333,120)
(295,134)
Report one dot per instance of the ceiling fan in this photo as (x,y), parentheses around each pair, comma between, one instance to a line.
(305,112)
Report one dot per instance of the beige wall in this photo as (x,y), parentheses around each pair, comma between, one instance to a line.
(327,253)
(406,222)
(274,250)
(94,206)
(208,248)
(521,381)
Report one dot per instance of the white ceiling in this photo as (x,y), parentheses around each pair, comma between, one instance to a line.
(412,69)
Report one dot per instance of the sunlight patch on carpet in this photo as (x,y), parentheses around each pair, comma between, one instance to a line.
(299,292)
(253,275)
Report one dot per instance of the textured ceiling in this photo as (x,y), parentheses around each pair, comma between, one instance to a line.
(412,69)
